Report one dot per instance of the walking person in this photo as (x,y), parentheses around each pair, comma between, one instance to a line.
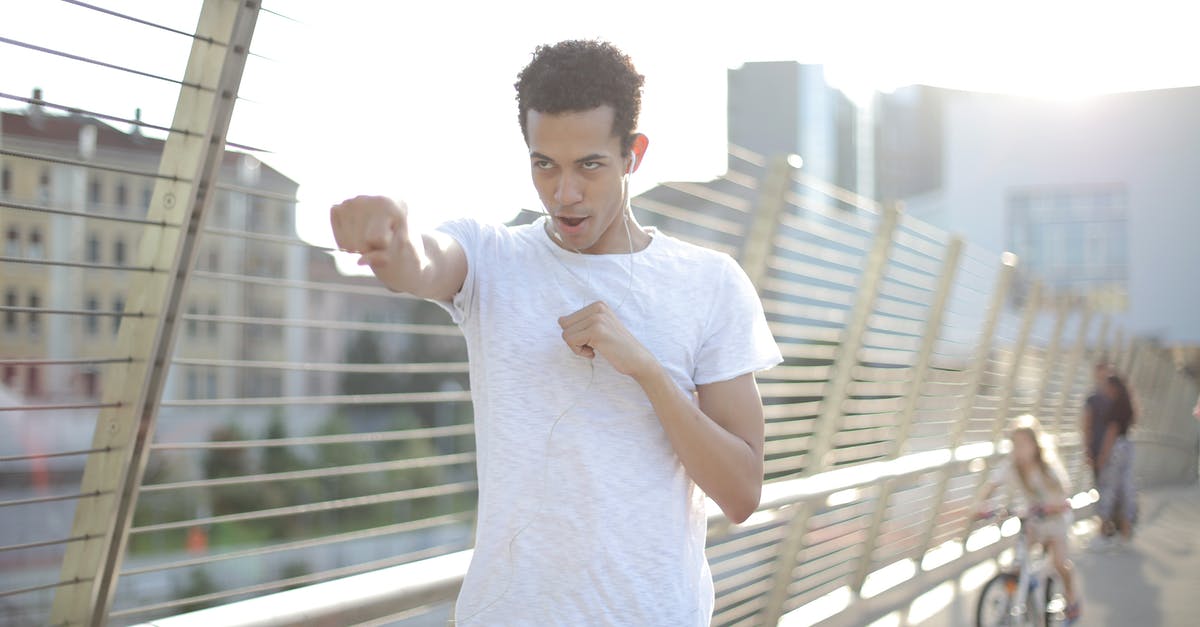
(1094,424)
(1114,463)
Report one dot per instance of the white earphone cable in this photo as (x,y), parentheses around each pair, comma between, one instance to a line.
(625,211)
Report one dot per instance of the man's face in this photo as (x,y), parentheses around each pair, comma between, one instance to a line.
(577,169)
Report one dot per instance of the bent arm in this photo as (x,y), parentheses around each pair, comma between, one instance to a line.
(719,441)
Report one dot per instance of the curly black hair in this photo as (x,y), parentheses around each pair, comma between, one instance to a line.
(579,75)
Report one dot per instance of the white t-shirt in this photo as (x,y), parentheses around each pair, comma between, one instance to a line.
(586,516)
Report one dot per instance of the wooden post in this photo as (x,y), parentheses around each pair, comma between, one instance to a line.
(916,384)
(191,163)
(830,413)
(978,364)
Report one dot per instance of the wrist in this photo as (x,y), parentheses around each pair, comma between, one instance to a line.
(651,376)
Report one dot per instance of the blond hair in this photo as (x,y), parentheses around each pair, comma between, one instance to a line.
(1045,452)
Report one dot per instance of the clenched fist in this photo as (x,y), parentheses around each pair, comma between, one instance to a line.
(370,226)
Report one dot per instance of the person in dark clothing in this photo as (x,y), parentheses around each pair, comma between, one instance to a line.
(1093,426)
(1095,415)
(1114,463)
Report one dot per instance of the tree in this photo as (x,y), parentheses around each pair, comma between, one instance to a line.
(229,462)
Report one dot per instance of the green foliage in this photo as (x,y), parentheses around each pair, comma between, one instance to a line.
(230,462)
(365,350)
(293,569)
(199,583)
(278,458)
(160,507)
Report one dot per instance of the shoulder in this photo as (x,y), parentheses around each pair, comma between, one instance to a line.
(474,232)
(675,247)
(716,267)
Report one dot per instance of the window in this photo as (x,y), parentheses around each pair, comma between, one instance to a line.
(1073,239)
(122,195)
(94,190)
(212,324)
(35,244)
(255,219)
(35,317)
(193,389)
(90,380)
(214,261)
(44,185)
(119,252)
(12,242)
(119,308)
(221,209)
(10,317)
(91,324)
(10,375)
(93,248)
(6,180)
(191,323)
(211,387)
(33,383)
(147,196)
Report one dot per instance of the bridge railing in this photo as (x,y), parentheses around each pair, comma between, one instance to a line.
(267,436)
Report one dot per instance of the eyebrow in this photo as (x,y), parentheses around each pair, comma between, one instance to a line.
(595,156)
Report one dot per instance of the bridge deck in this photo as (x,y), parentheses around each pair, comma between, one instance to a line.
(1154,581)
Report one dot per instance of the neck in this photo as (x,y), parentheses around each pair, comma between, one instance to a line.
(638,237)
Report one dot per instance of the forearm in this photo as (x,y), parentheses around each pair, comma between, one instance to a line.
(725,466)
(1110,439)
(417,264)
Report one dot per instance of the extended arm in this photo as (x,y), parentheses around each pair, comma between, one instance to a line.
(426,265)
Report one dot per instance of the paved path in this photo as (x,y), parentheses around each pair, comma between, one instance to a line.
(1155,581)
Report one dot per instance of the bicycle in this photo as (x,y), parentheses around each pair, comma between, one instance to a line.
(1028,592)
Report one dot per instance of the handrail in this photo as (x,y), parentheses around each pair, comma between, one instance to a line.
(436,580)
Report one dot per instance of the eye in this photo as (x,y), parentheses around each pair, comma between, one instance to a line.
(542,164)
(591,165)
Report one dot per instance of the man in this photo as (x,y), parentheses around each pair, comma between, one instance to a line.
(1095,413)
(612,368)
(1095,426)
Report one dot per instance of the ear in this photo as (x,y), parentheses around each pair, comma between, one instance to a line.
(638,150)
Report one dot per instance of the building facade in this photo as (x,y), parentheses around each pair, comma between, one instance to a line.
(80,165)
(1097,197)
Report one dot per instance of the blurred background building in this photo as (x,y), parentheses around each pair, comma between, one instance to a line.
(1095,196)
(85,165)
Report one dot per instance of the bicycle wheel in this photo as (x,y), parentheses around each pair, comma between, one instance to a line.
(996,601)
(1056,603)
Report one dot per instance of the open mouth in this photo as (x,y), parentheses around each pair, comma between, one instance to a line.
(570,222)
(570,225)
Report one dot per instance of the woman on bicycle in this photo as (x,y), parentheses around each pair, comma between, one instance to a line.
(1034,473)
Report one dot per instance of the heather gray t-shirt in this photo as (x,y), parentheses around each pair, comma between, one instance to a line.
(586,516)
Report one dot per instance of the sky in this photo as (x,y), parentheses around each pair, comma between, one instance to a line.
(415,100)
